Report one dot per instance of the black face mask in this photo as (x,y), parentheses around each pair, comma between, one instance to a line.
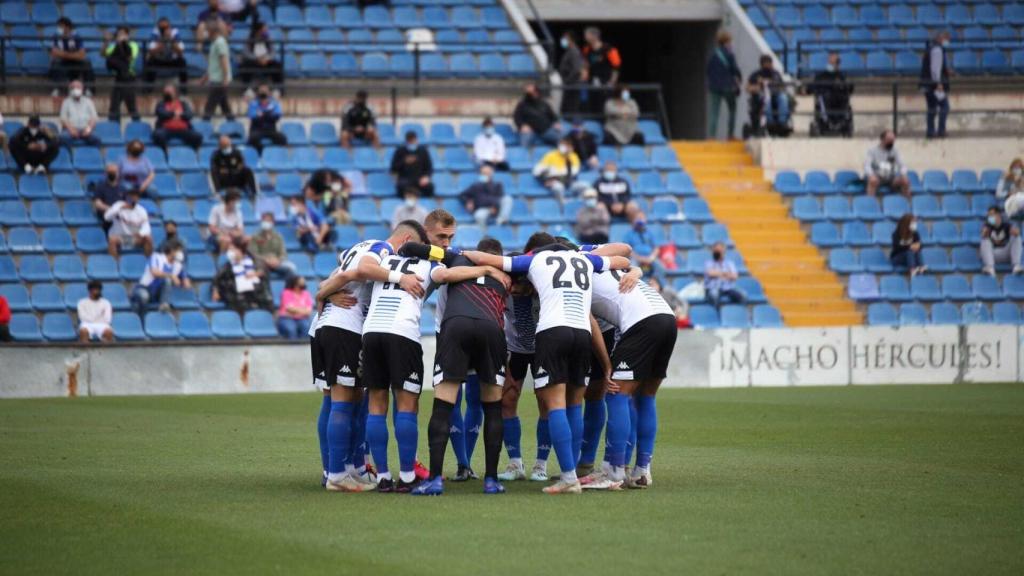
(264,95)
(888,145)
(168,97)
(717,256)
(164,30)
(112,176)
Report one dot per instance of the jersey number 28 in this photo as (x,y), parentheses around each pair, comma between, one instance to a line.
(580,274)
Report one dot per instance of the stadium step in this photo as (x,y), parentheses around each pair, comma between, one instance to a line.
(777,251)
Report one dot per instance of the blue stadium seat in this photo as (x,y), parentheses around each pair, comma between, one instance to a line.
(863,287)
(966,181)
(945,313)
(955,287)
(866,208)
(925,288)
(23,241)
(837,208)
(34,187)
(875,260)
(975,313)
(844,260)
(67,187)
(697,210)
(47,298)
(766,316)
(1006,313)
(182,298)
(45,213)
(894,288)
(966,259)
(91,240)
(226,324)
(8,271)
(13,213)
(201,267)
(102,267)
(936,182)
(127,326)
(17,297)
(882,314)
(957,206)
(335,158)
(936,259)
(35,268)
(703,316)
(161,326)
(193,325)
(57,327)
(182,159)
(855,233)
(132,266)
(260,324)
(913,314)
(985,287)
(825,234)
(323,134)
(68,268)
(25,327)
(734,316)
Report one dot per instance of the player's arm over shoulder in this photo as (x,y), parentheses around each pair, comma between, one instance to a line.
(608,262)
(335,282)
(369,266)
(611,249)
(429,252)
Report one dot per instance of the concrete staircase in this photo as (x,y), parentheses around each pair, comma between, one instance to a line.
(778,253)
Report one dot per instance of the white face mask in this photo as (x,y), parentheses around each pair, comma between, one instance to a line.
(179,257)
(234,256)
(33,131)
(336,186)
(292,210)
(266,225)
(1017,172)
(913,226)
(563,149)
(625,95)
(590,202)
(410,202)
(76,93)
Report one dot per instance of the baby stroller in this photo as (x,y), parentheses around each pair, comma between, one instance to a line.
(833,115)
(770,114)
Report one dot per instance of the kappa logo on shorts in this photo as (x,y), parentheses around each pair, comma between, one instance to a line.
(414,376)
(622,366)
(437,368)
(345,368)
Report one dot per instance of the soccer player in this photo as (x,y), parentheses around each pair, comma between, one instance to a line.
(393,361)
(338,344)
(562,279)
(471,338)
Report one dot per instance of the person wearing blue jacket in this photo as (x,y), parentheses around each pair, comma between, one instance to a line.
(264,112)
(724,80)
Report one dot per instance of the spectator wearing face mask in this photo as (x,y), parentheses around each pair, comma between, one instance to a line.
(724,82)
(884,167)
(264,112)
(68,58)
(129,225)
(906,246)
(489,147)
(218,72)
(1010,189)
(358,124)
(258,59)
(105,193)
(135,169)
(296,307)
(267,247)
(411,166)
(78,117)
(643,243)
(329,192)
(226,223)
(535,120)
(935,72)
(165,53)
(720,277)
(174,121)
(613,191)
(122,56)
(558,170)
(95,315)
(33,147)
(228,169)
(486,199)
(622,119)
(171,238)
(409,209)
(592,220)
(156,282)
(602,65)
(571,67)
(238,284)
(311,227)
(584,143)
(1000,244)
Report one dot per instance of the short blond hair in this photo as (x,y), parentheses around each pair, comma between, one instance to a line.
(440,217)
(724,37)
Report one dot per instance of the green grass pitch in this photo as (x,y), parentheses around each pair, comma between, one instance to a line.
(863,480)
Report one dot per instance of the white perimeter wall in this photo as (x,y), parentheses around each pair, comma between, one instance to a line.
(702,359)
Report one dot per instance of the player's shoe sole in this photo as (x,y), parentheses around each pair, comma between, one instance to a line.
(493,487)
(433,487)
(349,484)
(562,487)
(640,482)
(406,487)
(512,473)
(598,481)
(386,486)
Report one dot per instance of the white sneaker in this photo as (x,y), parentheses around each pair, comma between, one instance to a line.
(28,169)
(598,481)
(368,478)
(1018,269)
(40,169)
(514,471)
(349,484)
(539,474)
(640,479)
(990,271)
(562,487)
(248,94)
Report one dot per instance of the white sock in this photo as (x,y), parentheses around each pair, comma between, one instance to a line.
(606,468)
(407,477)
(541,465)
(517,462)
(639,471)
(384,476)
(617,473)
(336,478)
(361,470)
(350,470)
(569,477)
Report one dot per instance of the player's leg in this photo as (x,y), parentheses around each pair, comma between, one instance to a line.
(595,413)
(647,429)
(325,406)
(540,465)
(512,431)
(339,434)
(445,394)
(474,415)
(340,350)
(407,436)
(493,431)
(360,445)
(377,433)
(457,435)
(574,412)
(553,396)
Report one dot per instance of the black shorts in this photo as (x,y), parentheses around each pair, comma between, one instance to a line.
(596,372)
(335,354)
(470,344)
(391,361)
(563,357)
(518,362)
(645,349)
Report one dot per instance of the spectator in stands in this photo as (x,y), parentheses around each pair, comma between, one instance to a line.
(208,19)
(33,147)
(642,240)
(592,220)
(724,82)
(358,123)
(535,120)
(884,166)
(129,225)
(296,307)
(720,277)
(409,209)
(1010,188)
(832,93)
(622,119)
(489,147)
(177,258)
(170,236)
(78,117)
(614,192)
(329,192)
(602,64)
(226,223)
(267,247)
(906,246)
(105,193)
(68,59)
(935,72)
(767,95)
(238,284)
(218,72)
(486,199)
(258,61)
(95,315)
(136,170)
(264,112)
(228,169)
(174,121)
(1000,244)
(411,166)
(122,55)
(571,67)
(155,283)
(5,320)
(558,170)
(166,53)
(680,307)
(584,143)
(311,227)
(238,10)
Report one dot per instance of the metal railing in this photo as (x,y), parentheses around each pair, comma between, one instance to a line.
(778,31)
(804,48)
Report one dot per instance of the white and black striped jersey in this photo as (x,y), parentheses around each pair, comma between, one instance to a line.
(562,280)
(623,310)
(351,319)
(393,310)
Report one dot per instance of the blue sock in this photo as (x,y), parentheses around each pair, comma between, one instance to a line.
(512,432)
(457,433)
(360,446)
(575,416)
(631,444)
(339,436)
(647,429)
(321,429)
(407,433)
(561,439)
(618,429)
(474,414)
(377,436)
(594,416)
(543,439)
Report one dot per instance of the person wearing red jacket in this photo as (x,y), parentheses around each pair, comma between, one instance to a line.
(5,320)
